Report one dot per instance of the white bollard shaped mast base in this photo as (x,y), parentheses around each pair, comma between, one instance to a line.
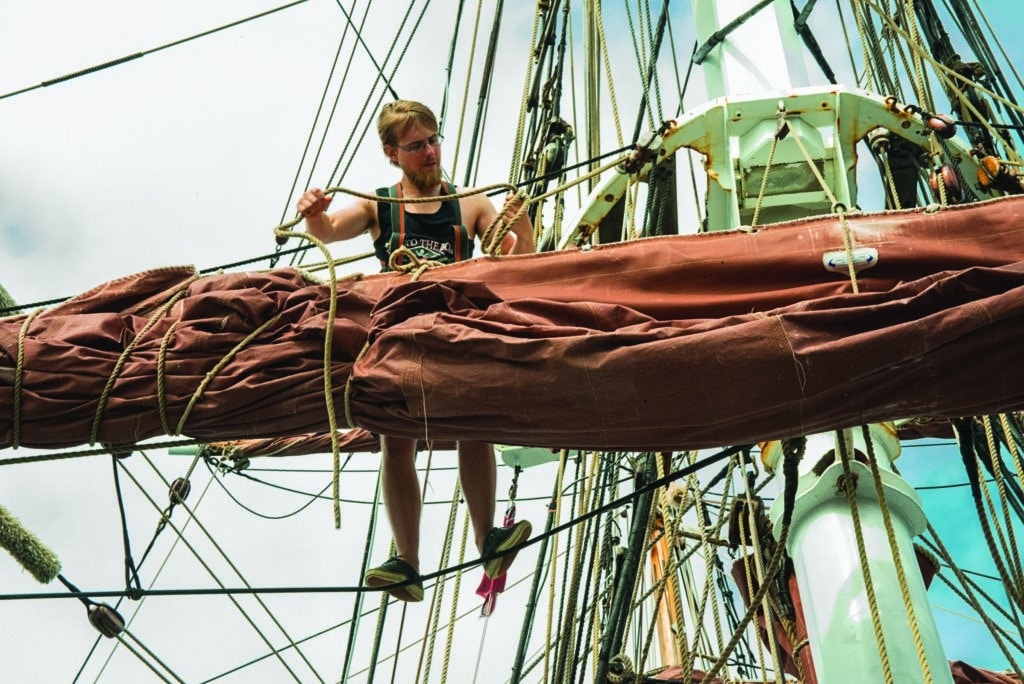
(822,543)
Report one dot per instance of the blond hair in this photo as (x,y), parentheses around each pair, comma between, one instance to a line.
(397,117)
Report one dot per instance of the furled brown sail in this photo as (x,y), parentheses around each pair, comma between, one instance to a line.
(677,342)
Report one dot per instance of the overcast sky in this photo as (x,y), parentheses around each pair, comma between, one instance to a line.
(187,155)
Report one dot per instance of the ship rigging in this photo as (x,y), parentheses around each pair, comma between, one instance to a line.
(695,518)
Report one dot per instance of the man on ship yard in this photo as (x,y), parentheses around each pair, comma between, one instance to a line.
(436,231)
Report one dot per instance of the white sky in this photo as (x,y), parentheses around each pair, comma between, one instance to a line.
(186,156)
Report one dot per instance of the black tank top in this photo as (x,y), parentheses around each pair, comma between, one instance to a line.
(438,237)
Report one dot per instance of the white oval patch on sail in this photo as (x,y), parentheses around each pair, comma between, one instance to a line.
(863,259)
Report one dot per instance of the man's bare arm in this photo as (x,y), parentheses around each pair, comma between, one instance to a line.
(523,228)
(344,224)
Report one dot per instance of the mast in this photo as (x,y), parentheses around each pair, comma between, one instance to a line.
(751,47)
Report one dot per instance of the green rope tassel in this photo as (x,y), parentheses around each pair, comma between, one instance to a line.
(26,549)
(6,300)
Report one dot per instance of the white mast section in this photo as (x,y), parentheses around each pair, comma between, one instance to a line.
(823,545)
(763,55)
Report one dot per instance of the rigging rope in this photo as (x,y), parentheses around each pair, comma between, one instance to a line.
(223,554)
(412,34)
(968,596)
(571,618)
(838,208)
(453,613)
(964,430)
(848,485)
(750,522)
(949,76)
(556,515)
(898,561)
(437,596)
(793,451)
(312,130)
(142,560)
(129,348)
(606,60)
(357,604)
(465,91)
(720,35)
(137,55)
(1010,548)
(708,595)
(516,166)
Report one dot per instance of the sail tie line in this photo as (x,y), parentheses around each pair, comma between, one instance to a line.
(19,372)
(119,365)
(161,375)
(219,366)
(404,260)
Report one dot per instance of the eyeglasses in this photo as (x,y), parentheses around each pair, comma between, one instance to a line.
(420,145)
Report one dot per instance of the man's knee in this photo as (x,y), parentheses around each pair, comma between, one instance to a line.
(397,448)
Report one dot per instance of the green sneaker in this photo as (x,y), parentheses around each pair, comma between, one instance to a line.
(504,540)
(396,571)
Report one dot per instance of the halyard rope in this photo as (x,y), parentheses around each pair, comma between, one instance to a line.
(848,485)
(901,576)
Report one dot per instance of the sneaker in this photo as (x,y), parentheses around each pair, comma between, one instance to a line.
(396,572)
(504,539)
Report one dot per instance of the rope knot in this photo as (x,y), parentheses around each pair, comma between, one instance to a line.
(493,237)
(404,260)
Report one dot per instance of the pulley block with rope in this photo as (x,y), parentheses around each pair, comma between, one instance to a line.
(105,619)
(950,182)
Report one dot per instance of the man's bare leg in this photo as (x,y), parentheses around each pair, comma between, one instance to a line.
(477,475)
(401,488)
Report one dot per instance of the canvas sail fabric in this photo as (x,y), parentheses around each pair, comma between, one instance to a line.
(273,386)
(665,343)
(601,376)
(356,440)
